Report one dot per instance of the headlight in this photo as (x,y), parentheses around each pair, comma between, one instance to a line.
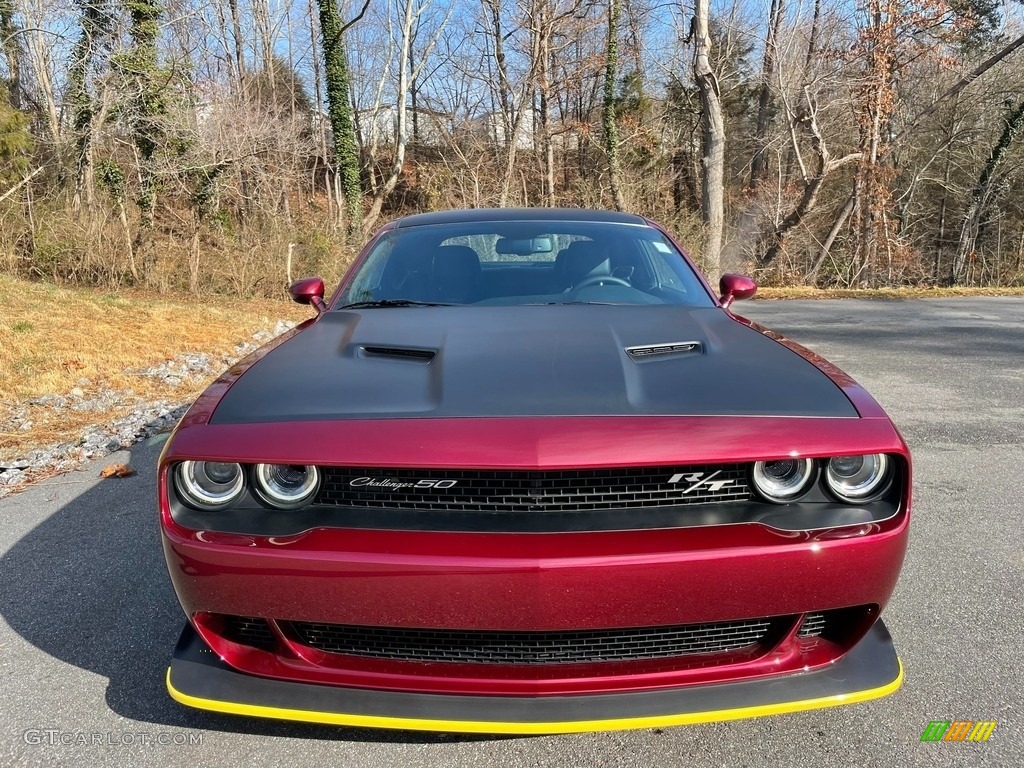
(857,478)
(782,480)
(285,486)
(209,484)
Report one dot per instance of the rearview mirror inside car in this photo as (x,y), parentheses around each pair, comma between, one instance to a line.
(523,246)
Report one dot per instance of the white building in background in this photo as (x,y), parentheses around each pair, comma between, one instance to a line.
(493,124)
(433,127)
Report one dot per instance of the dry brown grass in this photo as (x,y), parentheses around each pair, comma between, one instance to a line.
(54,339)
(804,292)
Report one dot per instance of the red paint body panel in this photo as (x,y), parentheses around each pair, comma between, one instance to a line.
(527,582)
(532,443)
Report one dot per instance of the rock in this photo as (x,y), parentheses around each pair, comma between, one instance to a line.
(50,401)
(77,392)
(12,477)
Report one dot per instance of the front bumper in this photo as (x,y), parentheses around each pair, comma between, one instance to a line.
(198,678)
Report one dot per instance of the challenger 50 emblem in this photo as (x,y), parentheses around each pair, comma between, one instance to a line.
(387,482)
(698,480)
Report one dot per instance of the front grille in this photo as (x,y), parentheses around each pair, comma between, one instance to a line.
(247,630)
(575,490)
(582,647)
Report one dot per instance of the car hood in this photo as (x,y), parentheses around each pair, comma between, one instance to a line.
(434,362)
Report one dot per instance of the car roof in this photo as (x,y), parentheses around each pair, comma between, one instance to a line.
(518,214)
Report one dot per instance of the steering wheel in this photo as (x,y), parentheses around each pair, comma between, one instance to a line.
(598,280)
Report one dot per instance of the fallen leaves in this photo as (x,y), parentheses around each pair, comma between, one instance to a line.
(117,470)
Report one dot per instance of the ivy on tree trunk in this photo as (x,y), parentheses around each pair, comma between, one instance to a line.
(12,52)
(96,21)
(339,110)
(148,106)
(611,129)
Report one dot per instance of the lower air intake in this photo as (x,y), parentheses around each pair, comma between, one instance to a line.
(812,625)
(479,647)
(247,630)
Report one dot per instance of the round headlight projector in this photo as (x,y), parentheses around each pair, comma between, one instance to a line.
(209,484)
(285,486)
(857,478)
(782,480)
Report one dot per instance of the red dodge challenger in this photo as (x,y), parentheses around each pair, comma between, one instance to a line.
(525,472)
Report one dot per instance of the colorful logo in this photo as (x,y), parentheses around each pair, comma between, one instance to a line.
(958,730)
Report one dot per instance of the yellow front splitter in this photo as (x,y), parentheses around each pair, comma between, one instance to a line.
(197,678)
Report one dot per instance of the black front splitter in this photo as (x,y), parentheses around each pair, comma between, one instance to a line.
(198,678)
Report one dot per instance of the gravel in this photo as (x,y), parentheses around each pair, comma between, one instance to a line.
(146,418)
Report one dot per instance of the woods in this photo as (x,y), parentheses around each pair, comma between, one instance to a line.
(185,146)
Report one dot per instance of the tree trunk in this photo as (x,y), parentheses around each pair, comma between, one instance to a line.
(40,50)
(544,30)
(611,129)
(833,233)
(713,209)
(88,112)
(876,103)
(148,108)
(502,86)
(11,47)
(236,34)
(339,110)
(759,164)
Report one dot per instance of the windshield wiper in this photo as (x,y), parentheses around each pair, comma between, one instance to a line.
(392,303)
(579,303)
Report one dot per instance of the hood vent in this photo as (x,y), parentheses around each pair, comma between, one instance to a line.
(400,353)
(661,351)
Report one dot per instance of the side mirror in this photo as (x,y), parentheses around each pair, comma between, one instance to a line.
(735,288)
(309,290)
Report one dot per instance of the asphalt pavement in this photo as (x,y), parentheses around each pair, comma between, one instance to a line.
(88,618)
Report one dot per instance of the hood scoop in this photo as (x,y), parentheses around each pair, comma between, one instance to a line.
(409,354)
(647,352)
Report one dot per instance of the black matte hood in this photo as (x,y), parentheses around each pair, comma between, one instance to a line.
(432,362)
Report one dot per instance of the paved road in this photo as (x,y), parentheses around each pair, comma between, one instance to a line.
(88,618)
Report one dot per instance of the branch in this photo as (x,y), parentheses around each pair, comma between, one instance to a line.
(960,84)
(345,27)
(21,183)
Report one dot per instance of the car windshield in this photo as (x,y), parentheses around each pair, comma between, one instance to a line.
(524,262)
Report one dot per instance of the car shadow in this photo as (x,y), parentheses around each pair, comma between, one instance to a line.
(89,586)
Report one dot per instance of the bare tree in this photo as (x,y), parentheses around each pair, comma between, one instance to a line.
(713,124)
(759,165)
(412,10)
(611,130)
